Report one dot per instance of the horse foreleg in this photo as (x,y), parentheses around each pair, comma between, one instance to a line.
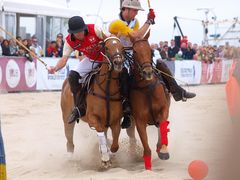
(115,135)
(66,107)
(131,133)
(141,128)
(103,148)
(132,138)
(69,129)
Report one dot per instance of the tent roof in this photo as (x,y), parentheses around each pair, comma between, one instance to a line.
(38,7)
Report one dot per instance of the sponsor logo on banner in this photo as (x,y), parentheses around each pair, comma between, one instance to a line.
(30,74)
(12,73)
(0,75)
(47,81)
(60,75)
(188,72)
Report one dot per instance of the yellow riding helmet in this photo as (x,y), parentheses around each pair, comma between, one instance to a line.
(133,4)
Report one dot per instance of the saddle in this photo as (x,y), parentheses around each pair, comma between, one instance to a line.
(86,88)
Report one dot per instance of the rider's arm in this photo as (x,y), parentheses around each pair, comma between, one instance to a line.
(118,26)
(150,21)
(61,63)
(142,30)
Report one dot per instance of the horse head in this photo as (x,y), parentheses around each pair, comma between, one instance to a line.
(114,52)
(142,54)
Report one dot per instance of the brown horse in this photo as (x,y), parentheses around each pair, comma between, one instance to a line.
(103,94)
(149,99)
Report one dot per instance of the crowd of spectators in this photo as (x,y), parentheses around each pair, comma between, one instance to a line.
(163,50)
(11,47)
(189,51)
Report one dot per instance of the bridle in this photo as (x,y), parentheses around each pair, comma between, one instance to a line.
(108,56)
(145,64)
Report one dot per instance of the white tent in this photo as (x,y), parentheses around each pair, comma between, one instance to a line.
(38,7)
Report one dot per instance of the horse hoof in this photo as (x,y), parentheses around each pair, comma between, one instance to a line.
(163,156)
(106,164)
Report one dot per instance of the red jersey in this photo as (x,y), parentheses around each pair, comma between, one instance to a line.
(90,46)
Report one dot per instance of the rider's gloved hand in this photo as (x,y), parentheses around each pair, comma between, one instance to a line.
(151,17)
(51,70)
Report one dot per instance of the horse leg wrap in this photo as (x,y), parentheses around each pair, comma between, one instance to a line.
(147,162)
(164,132)
(103,146)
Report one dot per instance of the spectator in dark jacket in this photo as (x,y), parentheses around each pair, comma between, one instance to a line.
(184,50)
(190,52)
(5,48)
(60,44)
(172,50)
(13,47)
(164,52)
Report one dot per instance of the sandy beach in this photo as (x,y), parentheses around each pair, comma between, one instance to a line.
(35,147)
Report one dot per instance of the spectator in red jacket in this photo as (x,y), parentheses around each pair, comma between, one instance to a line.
(52,50)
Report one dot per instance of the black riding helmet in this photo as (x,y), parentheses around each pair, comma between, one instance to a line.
(76,24)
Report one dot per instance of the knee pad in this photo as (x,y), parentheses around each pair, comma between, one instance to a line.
(73,79)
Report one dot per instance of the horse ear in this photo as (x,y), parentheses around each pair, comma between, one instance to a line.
(104,35)
(147,34)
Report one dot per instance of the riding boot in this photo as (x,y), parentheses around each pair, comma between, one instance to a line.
(124,90)
(76,87)
(178,92)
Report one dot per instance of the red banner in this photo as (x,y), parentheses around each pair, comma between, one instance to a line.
(205,75)
(217,72)
(211,73)
(17,74)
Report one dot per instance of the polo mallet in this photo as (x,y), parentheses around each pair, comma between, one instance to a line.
(150,9)
(28,50)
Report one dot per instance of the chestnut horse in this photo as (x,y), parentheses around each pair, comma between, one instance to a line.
(102,94)
(149,99)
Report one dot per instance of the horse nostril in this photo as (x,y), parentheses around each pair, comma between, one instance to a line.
(148,73)
(117,62)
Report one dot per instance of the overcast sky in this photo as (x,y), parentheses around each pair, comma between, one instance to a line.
(165,11)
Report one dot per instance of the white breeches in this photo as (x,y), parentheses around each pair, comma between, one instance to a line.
(85,66)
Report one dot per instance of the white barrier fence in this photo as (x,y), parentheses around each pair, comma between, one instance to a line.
(18,74)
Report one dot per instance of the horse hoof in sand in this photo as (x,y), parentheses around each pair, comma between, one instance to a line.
(106,164)
(163,153)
